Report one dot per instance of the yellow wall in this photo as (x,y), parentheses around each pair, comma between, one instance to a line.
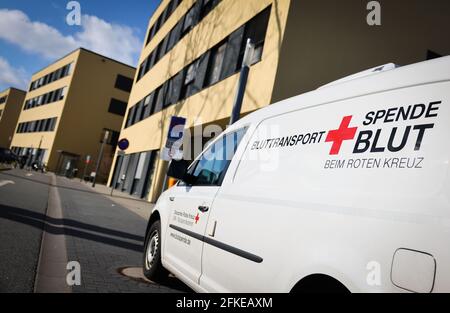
(82,114)
(45,139)
(86,110)
(214,103)
(10,114)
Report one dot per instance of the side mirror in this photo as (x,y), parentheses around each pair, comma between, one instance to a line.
(178,170)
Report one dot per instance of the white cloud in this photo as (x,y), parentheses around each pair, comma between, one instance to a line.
(112,40)
(12,77)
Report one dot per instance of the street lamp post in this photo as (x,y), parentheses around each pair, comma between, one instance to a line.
(242,84)
(99,159)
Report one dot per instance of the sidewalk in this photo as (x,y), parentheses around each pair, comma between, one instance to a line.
(4,167)
(105,235)
(140,207)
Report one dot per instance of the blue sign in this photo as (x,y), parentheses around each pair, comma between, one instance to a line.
(176,128)
(123,144)
(174,139)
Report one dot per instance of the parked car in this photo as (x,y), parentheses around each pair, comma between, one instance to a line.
(7,156)
(345,188)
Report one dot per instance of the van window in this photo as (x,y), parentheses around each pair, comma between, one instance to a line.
(211,167)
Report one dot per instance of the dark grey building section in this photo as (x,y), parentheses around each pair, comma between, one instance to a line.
(329,39)
(133,173)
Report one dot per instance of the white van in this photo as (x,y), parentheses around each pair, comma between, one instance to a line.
(345,188)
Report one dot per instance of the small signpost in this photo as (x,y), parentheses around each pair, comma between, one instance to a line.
(87,161)
(175,135)
(100,156)
(123,145)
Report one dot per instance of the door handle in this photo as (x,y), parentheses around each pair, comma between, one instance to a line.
(172,199)
(203,208)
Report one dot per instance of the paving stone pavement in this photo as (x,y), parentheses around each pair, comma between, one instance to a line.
(104,237)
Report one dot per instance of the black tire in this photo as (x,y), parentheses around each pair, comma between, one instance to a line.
(152,264)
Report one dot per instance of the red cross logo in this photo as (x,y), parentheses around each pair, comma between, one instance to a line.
(197,218)
(339,135)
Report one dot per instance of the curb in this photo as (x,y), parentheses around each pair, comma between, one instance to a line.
(51,271)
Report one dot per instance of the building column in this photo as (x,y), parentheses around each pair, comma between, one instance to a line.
(158,180)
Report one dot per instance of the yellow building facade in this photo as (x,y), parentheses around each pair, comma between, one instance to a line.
(11,101)
(190,61)
(69,107)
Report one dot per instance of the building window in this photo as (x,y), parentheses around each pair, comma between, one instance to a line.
(176,86)
(196,13)
(51,77)
(188,21)
(175,34)
(47,98)
(45,125)
(123,83)
(117,107)
(232,59)
(147,108)
(208,6)
(52,124)
(138,112)
(130,117)
(160,92)
(256,30)
(113,137)
(215,67)
(188,83)
(162,19)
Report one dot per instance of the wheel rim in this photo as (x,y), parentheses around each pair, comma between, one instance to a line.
(152,250)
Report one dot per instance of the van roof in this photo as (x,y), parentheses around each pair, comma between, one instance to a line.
(422,73)
(372,71)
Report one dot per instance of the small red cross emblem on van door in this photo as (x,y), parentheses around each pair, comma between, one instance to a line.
(197,218)
(338,136)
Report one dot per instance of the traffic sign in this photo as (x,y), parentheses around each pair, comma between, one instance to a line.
(124,144)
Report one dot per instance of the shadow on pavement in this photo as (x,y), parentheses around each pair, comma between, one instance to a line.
(4,173)
(71,228)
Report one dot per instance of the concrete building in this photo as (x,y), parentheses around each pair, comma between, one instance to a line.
(11,101)
(190,61)
(67,110)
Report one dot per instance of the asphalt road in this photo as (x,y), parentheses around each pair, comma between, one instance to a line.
(101,235)
(23,203)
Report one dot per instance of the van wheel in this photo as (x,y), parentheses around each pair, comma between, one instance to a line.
(153,268)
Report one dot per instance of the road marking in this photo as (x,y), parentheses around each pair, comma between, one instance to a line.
(29,175)
(6,182)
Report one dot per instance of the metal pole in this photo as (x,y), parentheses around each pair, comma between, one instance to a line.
(242,84)
(99,159)
(86,163)
(118,168)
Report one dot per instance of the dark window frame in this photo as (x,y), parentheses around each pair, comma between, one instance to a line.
(117,107)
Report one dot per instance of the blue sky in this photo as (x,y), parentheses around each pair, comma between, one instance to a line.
(34,33)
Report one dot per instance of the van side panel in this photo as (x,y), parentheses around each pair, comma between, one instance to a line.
(337,189)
